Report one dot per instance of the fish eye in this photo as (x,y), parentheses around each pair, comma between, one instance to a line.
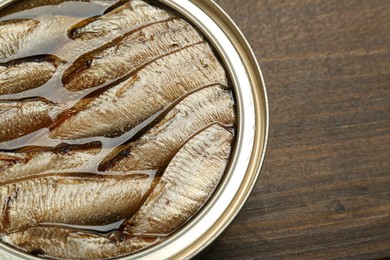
(88,62)
(72,33)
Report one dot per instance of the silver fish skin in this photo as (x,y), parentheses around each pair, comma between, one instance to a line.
(19,118)
(21,75)
(129,52)
(13,34)
(132,14)
(186,184)
(17,166)
(76,200)
(26,37)
(159,144)
(145,93)
(62,243)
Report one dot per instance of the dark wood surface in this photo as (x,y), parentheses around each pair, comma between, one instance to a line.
(324,190)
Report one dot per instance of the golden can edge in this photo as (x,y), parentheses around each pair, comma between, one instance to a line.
(251,138)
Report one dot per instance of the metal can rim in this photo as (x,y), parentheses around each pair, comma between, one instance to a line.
(260,99)
(208,16)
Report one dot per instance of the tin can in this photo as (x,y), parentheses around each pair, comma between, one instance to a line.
(251,136)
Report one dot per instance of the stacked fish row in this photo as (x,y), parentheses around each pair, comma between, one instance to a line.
(135,69)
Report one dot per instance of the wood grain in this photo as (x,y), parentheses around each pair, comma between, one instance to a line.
(324,191)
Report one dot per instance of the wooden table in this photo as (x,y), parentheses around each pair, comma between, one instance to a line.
(324,190)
